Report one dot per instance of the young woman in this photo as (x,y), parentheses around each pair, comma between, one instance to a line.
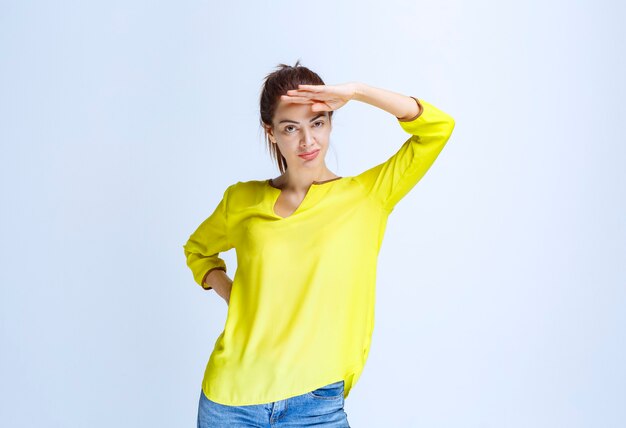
(301,305)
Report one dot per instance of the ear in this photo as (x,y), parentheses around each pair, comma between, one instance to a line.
(270,133)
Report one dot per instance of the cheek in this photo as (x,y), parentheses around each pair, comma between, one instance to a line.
(287,147)
(325,139)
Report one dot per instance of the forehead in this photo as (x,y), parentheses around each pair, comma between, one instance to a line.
(294,111)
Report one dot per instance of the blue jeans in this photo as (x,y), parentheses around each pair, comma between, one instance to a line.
(322,407)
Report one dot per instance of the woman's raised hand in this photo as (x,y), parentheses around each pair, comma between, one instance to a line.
(323,97)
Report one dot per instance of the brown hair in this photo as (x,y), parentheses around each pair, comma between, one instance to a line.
(277,83)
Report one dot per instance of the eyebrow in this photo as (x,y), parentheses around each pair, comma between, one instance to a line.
(297,123)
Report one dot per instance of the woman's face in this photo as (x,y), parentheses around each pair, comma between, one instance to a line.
(299,130)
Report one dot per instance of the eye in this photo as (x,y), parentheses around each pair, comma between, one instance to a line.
(287,128)
(321,122)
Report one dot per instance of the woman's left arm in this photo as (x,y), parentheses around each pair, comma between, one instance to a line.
(333,97)
(403,107)
(429,127)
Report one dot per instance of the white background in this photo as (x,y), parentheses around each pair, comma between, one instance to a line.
(501,280)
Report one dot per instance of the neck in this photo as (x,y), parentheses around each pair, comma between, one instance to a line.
(302,181)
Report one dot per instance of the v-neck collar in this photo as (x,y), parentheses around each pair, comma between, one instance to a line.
(269,181)
(277,192)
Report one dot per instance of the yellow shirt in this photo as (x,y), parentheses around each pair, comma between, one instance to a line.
(301,310)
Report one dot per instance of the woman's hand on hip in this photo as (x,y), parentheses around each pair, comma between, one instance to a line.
(323,97)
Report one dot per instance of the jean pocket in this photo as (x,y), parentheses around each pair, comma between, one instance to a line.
(332,391)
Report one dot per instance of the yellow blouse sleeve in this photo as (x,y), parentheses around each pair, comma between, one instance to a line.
(391,180)
(207,241)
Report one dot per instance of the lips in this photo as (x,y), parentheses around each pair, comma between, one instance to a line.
(309,155)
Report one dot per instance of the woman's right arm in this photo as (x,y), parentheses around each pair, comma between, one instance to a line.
(220,282)
(203,248)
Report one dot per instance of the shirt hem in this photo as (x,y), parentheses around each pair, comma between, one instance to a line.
(350,377)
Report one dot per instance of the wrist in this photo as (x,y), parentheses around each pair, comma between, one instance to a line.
(212,276)
(359,91)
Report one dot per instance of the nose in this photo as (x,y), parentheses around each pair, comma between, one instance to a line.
(307,138)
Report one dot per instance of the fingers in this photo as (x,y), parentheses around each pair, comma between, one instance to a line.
(303,97)
(306,94)
(300,94)
(295,99)
(313,88)
(307,90)
(317,106)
